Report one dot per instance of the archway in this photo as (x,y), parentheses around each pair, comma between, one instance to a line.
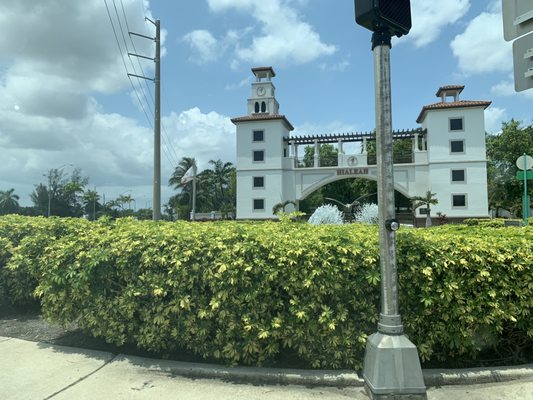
(345,190)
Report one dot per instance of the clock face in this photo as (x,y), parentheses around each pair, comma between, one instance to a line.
(260,91)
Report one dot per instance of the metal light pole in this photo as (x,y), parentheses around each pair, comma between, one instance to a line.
(391,367)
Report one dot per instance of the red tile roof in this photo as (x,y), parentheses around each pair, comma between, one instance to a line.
(262,117)
(452,104)
(448,88)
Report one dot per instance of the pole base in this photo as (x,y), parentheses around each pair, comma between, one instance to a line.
(392,369)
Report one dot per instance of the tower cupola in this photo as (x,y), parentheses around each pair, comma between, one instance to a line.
(263,101)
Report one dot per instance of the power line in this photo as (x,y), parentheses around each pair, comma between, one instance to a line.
(171,152)
(168,149)
(124,62)
(128,52)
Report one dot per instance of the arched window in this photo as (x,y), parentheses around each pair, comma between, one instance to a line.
(256,106)
(263,107)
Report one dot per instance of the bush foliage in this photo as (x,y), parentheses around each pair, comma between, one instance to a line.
(246,293)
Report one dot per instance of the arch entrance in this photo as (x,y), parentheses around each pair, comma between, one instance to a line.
(446,155)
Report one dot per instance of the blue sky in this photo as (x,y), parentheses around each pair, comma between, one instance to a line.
(65,97)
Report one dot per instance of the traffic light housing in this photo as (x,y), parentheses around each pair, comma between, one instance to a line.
(393,16)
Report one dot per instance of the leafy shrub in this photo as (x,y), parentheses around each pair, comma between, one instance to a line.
(368,214)
(245,293)
(494,223)
(26,239)
(326,214)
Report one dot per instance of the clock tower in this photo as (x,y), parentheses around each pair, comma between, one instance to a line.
(263,164)
(262,100)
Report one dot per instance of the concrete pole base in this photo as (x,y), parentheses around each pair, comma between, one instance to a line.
(392,369)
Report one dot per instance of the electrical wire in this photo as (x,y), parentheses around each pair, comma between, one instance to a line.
(166,140)
(168,155)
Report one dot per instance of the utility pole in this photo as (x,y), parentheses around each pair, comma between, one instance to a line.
(156,212)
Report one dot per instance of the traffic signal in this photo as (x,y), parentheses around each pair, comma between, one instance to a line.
(393,16)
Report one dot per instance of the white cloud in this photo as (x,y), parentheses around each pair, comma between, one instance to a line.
(494,117)
(337,67)
(204,45)
(203,136)
(284,39)
(431,17)
(506,88)
(481,47)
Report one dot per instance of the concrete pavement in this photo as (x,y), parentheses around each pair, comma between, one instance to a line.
(39,371)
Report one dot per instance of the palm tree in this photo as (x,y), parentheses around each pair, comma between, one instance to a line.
(9,201)
(427,200)
(181,169)
(220,179)
(184,198)
(90,202)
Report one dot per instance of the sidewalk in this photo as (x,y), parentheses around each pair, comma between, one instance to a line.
(39,371)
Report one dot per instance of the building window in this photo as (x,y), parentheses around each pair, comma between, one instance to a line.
(458,175)
(459,200)
(256,107)
(259,156)
(423,210)
(263,107)
(259,182)
(259,204)
(456,124)
(457,146)
(259,136)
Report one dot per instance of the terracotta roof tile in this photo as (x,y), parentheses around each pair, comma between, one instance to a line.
(263,117)
(449,87)
(453,104)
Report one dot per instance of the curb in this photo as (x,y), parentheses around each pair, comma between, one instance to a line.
(328,378)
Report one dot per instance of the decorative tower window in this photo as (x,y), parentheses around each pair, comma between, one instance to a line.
(259,204)
(259,136)
(458,175)
(256,108)
(457,146)
(263,107)
(456,124)
(459,200)
(259,182)
(259,156)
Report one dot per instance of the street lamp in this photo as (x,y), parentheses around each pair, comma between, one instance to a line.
(392,366)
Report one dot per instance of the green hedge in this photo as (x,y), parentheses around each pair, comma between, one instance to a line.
(246,293)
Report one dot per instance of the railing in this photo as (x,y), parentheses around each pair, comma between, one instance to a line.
(398,158)
(302,162)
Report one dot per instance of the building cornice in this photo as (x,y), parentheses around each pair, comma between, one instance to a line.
(453,104)
(263,117)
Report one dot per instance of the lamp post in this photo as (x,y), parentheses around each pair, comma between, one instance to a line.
(391,367)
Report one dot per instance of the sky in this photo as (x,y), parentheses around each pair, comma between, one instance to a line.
(66,100)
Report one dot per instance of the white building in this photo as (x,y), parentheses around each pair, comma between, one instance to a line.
(448,156)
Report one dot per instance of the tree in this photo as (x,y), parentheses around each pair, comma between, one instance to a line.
(428,200)
(90,203)
(502,151)
(63,194)
(9,202)
(182,202)
(215,188)
(219,180)
(328,156)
